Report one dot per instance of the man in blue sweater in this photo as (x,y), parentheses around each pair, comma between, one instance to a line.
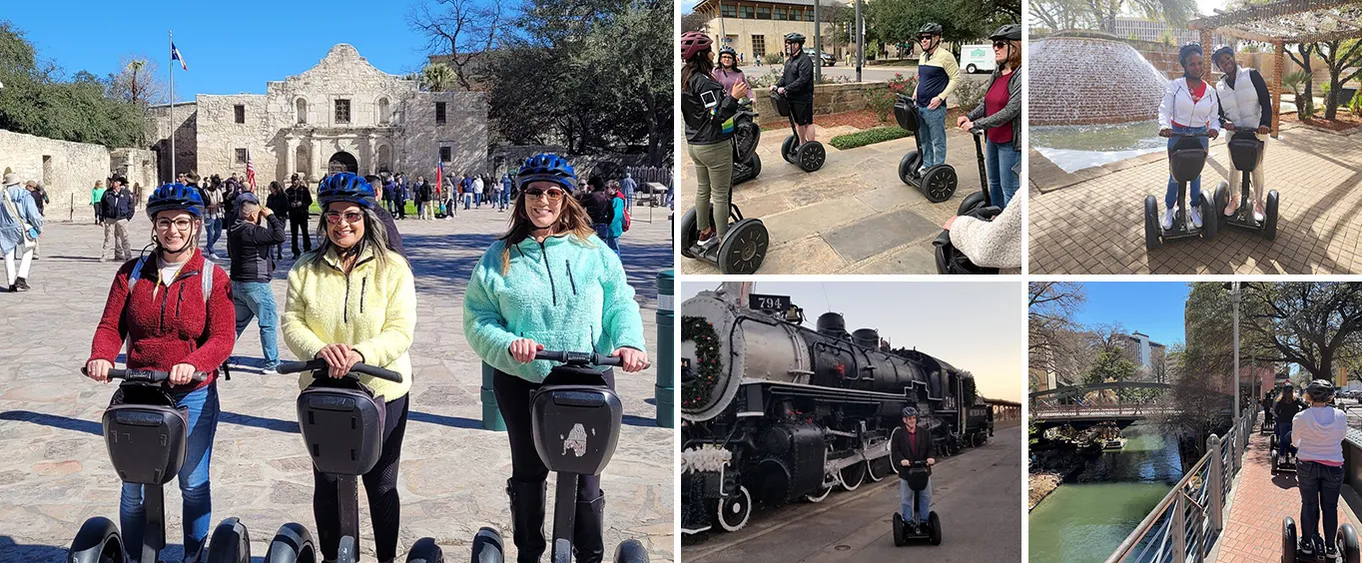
(937,75)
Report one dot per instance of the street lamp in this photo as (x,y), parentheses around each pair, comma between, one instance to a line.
(1235,297)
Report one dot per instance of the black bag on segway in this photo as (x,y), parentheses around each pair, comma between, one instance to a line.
(782,105)
(335,415)
(915,476)
(905,113)
(1244,150)
(1186,158)
(746,135)
(145,433)
(575,405)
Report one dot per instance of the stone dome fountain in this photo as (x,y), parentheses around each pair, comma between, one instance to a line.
(1091,78)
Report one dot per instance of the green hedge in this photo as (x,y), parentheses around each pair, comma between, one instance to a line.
(869,137)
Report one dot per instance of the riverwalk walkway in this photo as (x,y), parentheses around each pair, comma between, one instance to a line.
(1260,500)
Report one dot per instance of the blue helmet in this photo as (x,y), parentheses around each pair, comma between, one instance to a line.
(345,186)
(547,167)
(909,412)
(171,197)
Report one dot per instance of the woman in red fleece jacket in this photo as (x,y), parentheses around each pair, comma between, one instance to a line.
(170,326)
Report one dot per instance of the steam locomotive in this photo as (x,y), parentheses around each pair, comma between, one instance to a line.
(773,412)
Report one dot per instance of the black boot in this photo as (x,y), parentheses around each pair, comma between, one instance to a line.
(527,519)
(21,284)
(588,530)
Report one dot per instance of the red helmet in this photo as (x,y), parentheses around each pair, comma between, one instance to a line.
(693,42)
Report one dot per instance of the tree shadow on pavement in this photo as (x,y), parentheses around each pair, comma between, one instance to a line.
(14,552)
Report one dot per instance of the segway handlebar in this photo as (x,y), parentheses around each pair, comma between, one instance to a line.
(320,364)
(147,375)
(578,358)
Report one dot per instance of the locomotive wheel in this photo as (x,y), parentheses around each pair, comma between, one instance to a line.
(818,496)
(734,510)
(877,469)
(811,156)
(744,247)
(938,183)
(853,475)
(978,439)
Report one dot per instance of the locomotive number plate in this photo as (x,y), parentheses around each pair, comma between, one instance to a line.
(776,303)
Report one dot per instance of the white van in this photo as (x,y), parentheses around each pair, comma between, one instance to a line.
(977,58)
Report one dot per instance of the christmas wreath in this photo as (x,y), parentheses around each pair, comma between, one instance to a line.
(707,365)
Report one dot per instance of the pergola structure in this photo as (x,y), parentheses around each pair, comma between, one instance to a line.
(1282,22)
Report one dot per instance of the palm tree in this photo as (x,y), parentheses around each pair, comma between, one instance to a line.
(438,77)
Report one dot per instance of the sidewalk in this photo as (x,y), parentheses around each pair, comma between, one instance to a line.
(1253,529)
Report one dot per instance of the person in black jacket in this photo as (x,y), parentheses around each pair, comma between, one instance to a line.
(117,211)
(599,205)
(299,200)
(249,241)
(796,84)
(1283,411)
(708,112)
(277,201)
(389,223)
(907,444)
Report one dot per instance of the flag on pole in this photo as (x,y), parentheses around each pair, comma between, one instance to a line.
(250,171)
(175,56)
(439,176)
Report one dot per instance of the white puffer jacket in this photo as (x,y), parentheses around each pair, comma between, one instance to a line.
(1240,103)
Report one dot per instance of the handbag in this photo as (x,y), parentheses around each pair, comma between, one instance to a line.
(31,233)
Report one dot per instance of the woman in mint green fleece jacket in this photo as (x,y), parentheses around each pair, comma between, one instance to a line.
(548,283)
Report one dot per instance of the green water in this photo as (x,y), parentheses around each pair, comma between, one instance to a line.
(1085,520)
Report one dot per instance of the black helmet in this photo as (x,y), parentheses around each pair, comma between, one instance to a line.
(909,412)
(930,28)
(793,37)
(1010,32)
(1320,390)
(726,50)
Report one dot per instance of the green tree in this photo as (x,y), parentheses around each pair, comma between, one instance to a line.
(1111,365)
(438,77)
(1315,325)
(898,21)
(1344,60)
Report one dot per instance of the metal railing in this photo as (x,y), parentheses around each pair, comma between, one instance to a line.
(1187,522)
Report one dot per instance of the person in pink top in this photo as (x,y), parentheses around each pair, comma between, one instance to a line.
(1317,433)
(728,73)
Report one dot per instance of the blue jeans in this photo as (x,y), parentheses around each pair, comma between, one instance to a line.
(1319,486)
(603,231)
(1284,437)
(1171,198)
(477,199)
(193,477)
(924,504)
(214,228)
(256,300)
(505,198)
(1002,181)
(933,134)
(467,200)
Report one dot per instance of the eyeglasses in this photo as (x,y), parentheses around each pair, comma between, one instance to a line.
(553,194)
(334,217)
(999,44)
(924,37)
(179,224)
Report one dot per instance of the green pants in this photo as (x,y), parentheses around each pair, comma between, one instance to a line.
(714,183)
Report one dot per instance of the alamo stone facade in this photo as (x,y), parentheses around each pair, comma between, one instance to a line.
(342,114)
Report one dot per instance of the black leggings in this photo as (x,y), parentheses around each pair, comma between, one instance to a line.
(513,400)
(380,484)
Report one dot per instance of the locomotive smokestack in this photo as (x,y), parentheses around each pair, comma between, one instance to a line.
(832,324)
(868,337)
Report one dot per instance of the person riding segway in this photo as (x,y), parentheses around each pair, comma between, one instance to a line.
(746,132)
(793,98)
(1245,111)
(1188,118)
(914,453)
(1319,434)
(1279,444)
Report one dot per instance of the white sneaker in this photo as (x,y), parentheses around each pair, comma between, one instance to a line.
(1258,213)
(1196,217)
(1168,219)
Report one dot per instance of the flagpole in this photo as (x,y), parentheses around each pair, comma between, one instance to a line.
(172,106)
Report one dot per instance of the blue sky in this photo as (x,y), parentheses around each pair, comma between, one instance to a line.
(229,46)
(1153,308)
(974,326)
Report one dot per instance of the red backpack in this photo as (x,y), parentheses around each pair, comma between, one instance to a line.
(626,210)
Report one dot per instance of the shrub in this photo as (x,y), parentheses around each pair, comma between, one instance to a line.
(970,93)
(868,137)
(774,59)
(881,101)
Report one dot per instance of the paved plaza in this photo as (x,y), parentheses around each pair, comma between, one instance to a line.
(55,472)
(853,216)
(1092,221)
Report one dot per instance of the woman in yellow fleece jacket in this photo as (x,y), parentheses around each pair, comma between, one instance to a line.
(352,301)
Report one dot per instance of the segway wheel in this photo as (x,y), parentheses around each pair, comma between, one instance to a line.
(938,183)
(970,203)
(818,496)
(787,148)
(908,167)
(743,247)
(631,551)
(898,530)
(1289,540)
(934,522)
(811,156)
(852,476)
(425,550)
(734,510)
(690,232)
(1347,544)
(1152,230)
(1210,218)
(753,169)
(1270,213)
(488,546)
(292,543)
(1222,197)
(231,543)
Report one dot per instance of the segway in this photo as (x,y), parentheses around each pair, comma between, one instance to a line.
(916,473)
(342,425)
(949,259)
(1244,150)
(1282,466)
(146,435)
(746,136)
(740,252)
(936,182)
(1269,422)
(808,156)
(1345,541)
(1185,162)
(576,424)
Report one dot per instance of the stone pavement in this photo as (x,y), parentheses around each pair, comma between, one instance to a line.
(55,472)
(853,216)
(1260,501)
(1095,223)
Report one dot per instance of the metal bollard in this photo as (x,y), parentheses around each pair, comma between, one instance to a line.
(491,415)
(665,390)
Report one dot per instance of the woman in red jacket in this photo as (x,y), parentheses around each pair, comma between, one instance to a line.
(171,325)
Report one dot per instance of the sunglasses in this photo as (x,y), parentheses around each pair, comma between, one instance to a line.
(334,217)
(553,194)
(1000,44)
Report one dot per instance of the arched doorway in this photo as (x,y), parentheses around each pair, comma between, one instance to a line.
(342,162)
(385,157)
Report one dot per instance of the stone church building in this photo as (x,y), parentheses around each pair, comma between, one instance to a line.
(341,115)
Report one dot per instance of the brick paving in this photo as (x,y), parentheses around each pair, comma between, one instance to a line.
(1092,221)
(1253,528)
(55,472)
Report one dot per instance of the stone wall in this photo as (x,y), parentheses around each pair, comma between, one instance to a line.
(69,170)
(186,132)
(827,99)
(464,132)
